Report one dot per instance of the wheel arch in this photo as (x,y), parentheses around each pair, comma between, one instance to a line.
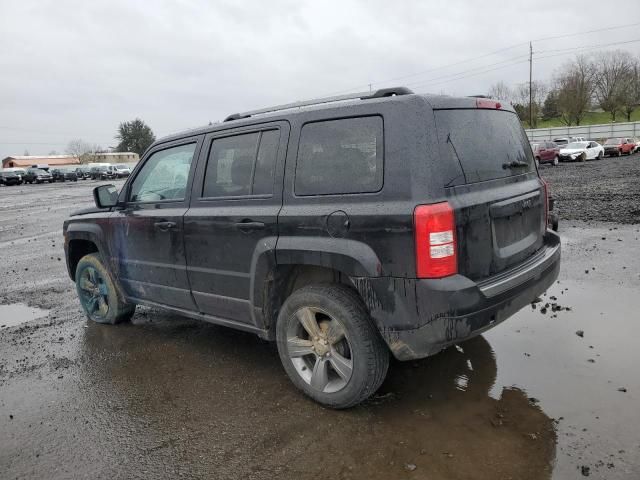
(80,240)
(297,262)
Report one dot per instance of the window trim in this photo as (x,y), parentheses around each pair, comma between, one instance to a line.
(140,167)
(348,117)
(250,196)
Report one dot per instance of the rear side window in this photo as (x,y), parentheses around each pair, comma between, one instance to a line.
(242,165)
(340,156)
(485,144)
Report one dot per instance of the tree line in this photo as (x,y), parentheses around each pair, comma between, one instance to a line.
(609,80)
(134,136)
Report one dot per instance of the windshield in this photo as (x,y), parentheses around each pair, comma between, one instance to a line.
(39,172)
(485,144)
(577,145)
(613,141)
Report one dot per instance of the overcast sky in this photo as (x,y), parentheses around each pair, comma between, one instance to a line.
(75,69)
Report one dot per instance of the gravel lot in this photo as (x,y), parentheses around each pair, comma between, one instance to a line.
(168,397)
(605,190)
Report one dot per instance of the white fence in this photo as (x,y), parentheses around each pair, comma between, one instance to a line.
(590,132)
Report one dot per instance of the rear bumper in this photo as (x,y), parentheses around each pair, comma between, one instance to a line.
(430,315)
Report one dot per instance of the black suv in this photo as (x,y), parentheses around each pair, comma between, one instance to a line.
(64,174)
(37,175)
(345,229)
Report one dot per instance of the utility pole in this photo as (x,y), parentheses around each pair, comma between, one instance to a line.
(530,85)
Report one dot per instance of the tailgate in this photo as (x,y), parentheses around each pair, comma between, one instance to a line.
(495,189)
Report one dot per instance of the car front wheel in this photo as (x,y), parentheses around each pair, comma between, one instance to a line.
(98,294)
(556,161)
(329,347)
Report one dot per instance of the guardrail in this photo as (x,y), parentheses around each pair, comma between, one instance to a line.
(591,132)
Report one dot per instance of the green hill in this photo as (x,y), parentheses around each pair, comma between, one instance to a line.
(591,118)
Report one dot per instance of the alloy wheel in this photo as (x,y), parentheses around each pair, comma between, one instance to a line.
(94,293)
(319,350)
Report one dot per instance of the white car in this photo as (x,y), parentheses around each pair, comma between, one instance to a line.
(581,151)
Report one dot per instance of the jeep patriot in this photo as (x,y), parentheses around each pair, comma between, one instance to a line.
(346,229)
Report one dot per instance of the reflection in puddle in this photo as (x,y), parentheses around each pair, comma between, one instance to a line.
(17,313)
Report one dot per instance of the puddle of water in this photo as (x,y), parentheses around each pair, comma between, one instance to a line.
(576,377)
(17,313)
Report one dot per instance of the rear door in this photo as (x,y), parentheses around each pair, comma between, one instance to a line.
(233,216)
(493,186)
(146,241)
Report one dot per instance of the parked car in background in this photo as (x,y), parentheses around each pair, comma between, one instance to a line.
(10,178)
(562,141)
(581,151)
(314,264)
(122,170)
(546,152)
(102,172)
(619,146)
(64,174)
(83,172)
(637,142)
(37,175)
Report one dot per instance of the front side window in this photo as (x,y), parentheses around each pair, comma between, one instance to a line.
(340,156)
(164,175)
(242,165)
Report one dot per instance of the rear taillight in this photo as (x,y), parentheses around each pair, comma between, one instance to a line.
(435,237)
(545,187)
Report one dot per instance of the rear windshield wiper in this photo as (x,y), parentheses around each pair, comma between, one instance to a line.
(463,175)
(515,164)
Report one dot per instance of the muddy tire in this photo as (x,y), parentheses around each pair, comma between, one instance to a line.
(583,157)
(329,346)
(600,156)
(98,294)
(556,161)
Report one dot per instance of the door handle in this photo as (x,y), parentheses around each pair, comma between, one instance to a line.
(165,226)
(249,225)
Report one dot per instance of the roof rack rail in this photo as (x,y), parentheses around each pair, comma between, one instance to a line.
(383,92)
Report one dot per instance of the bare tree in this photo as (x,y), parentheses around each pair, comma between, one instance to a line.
(631,90)
(521,97)
(611,71)
(83,150)
(501,91)
(574,84)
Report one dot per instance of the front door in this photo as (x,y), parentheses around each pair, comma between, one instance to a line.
(232,221)
(146,241)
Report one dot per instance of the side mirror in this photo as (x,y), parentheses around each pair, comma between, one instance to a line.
(105,196)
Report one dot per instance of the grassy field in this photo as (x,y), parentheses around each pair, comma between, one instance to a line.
(591,118)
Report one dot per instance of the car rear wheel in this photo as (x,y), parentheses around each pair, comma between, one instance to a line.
(583,157)
(98,294)
(329,347)
(600,156)
(556,161)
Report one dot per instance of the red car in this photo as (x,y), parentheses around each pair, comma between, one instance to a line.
(618,146)
(546,152)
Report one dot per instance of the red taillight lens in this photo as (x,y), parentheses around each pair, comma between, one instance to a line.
(545,187)
(435,237)
(486,103)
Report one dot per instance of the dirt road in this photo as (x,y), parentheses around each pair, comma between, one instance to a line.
(167,397)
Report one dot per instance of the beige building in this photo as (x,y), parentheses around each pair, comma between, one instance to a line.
(26,161)
(115,157)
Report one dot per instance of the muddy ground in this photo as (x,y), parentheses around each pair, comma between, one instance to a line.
(168,397)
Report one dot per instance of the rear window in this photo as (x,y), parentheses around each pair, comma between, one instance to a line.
(613,141)
(486,144)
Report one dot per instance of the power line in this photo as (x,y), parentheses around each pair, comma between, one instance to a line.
(569,49)
(470,59)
